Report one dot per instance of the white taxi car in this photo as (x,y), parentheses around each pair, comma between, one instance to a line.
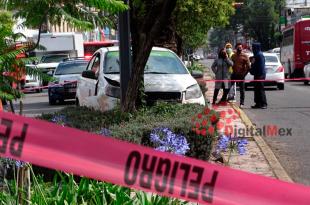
(274,72)
(165,79)
(307,73)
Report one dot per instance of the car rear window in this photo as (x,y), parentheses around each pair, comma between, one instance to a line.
(159,62)
(271,59)
(71,68)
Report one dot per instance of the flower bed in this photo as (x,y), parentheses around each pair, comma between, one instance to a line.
(189,130)
(137,128)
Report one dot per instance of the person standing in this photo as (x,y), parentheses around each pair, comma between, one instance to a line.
(232,90)
(259,72)
(220,67)
(240,69)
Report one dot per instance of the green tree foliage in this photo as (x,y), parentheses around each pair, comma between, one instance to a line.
(261,20)
(189,19)
(169,24)
(81,14)
(258,19)
(12,68)
(195,18)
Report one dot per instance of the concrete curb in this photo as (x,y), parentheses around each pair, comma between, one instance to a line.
(275,165)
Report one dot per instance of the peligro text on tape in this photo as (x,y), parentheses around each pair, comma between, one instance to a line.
(163,172)
(107,159)
(16,142)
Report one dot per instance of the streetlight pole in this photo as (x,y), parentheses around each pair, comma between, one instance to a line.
(124,51)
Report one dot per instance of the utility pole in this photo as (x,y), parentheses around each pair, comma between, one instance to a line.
(124,51)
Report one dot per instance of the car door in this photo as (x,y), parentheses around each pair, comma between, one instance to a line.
(88,86)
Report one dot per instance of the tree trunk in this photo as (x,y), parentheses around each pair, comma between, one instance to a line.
(144,31)
(167,37)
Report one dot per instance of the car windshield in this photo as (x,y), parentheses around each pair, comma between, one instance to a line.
(271,59)
(159,62)
(71,68)
(53,59)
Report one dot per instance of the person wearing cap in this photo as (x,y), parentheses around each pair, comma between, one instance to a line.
(258,70)
(232,91)
(240,69)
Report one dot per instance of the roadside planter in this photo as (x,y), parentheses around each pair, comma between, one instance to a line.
(189,130)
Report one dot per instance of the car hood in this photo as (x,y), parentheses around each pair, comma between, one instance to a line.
(163,82)
(70,77)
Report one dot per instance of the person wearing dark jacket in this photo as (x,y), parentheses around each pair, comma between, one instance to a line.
(259,72)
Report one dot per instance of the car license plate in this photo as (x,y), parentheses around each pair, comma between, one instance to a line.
(72,90)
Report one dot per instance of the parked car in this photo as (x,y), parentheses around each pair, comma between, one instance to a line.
(274,72)
(65,80)
(275,50)
(211,56)
(196,57)
(32,84)
(307,73)
(49,62)
(165,79)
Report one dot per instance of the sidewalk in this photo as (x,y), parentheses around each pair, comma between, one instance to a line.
(259,158)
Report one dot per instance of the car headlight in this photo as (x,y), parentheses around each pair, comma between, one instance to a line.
(193,92)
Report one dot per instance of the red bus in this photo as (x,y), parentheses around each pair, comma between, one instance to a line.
(295,48)
(92,46)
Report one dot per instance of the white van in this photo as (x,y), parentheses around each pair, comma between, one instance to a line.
(165,79)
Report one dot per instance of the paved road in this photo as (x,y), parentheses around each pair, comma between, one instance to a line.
(37,103)
(288,109)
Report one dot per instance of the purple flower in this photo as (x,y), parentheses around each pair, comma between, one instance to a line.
(60,120)
(105,132)
(8,162)
(241,146)
(231,143)
(167,141)
(19,163)
(222,144)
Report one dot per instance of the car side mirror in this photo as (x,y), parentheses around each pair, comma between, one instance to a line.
(197,74)
(89,74)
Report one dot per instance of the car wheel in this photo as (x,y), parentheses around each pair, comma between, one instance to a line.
(51,101)
(246,87)
(62,102)
(306,82)
(77,103)
(280,86)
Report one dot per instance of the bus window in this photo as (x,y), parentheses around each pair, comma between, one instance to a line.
(288,37)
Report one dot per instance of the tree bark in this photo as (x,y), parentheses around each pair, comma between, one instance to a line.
(144,30)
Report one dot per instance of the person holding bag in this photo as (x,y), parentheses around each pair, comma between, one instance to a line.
(220,67)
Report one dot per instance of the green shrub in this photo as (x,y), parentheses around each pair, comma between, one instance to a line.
(88,119)
(196,66)
(137,127)
(65,189)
